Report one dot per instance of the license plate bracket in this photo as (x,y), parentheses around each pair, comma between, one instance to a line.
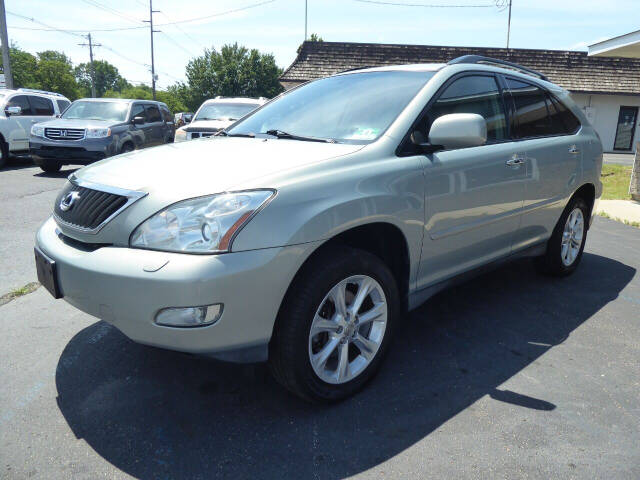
(47,273)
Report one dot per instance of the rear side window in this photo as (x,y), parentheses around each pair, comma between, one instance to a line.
(22,102)
(137,111)
(41,105)
(563,122)
(166,114)
(532,118)
(153,114)
(62,105)
(473,94)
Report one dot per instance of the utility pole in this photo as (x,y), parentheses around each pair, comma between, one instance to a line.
(6,62)
(152,31)
(509,25)
(92,70)
(305,20)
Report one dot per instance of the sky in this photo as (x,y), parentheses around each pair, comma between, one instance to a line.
(277,27)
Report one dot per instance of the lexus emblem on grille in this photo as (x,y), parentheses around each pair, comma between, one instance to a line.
(69,199)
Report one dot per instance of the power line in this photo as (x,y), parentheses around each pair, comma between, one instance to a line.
(425,5)
(113,11)
(54,29)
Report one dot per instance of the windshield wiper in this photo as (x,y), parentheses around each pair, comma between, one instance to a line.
(223,133)
(290,136)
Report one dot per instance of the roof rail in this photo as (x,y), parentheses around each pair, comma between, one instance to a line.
(497,62)
(33,90)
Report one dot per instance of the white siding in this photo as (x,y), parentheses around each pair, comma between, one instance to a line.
(604,110)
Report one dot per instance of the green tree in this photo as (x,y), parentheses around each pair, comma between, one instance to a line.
(143,92)
(234,71)
(23,66)
(315,38)
(54,73)
(106,75)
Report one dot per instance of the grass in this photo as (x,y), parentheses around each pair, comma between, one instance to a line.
(615,180)
(19,292)
(626,222)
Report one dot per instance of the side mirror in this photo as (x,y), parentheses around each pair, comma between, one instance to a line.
(458,130)
(187,120)
(137,120)
(58,115)
(13,111)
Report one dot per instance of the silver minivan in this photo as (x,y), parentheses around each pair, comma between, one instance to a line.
(304,232)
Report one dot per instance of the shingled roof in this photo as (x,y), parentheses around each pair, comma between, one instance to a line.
(574,71)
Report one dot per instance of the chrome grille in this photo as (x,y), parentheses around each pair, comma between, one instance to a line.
(64,133)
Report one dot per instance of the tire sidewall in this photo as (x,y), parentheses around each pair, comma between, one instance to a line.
(555,245)
(354,263)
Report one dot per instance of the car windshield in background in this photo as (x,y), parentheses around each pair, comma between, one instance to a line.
(110,111)
(352,108)
(224,111)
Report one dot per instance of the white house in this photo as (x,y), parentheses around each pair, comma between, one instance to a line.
(607,88)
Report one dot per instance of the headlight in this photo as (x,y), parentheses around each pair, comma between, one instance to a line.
(200,225)
(98,132)
(180,136)
(37,131)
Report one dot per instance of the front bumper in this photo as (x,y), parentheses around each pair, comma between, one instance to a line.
(115,285)
(72,151)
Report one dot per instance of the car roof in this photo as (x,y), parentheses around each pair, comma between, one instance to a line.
(39,93)
(121,100)
(252,101)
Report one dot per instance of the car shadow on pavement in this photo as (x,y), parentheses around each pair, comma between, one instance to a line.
(154,413)
(60,174)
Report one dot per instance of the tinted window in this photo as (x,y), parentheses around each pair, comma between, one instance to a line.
(138,111)
(532,118)
(62,105)
(153,114)
(41,105)
(563,122)
(166,114)
(351,108)
(473,94)
(22,102)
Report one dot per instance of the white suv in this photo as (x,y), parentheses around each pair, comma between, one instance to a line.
(19,110)
(217,114)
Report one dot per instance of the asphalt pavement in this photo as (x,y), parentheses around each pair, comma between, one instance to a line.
(511,375)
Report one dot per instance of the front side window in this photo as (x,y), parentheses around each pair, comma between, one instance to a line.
(472,94)
(531,116)
(107,111)
(138,111)
(20,101)
(224,111)
(350,108)
(153,114)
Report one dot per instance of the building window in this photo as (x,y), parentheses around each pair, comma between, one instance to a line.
(626,128)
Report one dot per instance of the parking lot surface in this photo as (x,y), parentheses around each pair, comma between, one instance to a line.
(511,375)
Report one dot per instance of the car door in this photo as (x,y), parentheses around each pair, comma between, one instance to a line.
(156,125)
(19,126)
(473,196)
(546,133)
(141,133)
(168,131)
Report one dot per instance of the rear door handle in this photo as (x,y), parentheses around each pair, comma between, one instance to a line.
(574,149)
(515,161)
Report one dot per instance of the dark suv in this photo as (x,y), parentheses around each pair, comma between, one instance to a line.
(92,129)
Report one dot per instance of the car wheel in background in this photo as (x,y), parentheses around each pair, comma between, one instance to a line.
(4,153)
(127,147)
(50,166)
(335,325)
(566,245)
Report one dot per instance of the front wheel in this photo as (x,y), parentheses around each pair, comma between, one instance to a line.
(50,166)
(566,245)
(335,325)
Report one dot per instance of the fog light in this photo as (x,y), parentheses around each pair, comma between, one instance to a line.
(189,316)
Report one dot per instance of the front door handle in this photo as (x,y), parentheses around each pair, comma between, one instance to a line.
(574,149)
(515,161)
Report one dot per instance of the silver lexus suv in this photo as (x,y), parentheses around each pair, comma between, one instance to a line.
(304,232)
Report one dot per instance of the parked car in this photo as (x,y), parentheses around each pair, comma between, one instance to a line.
(95,128)
(20,109)
(217,114)
(182,118)
(303,233)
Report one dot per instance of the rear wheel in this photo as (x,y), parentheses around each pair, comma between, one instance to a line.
(50,166)
(4,153)
(127,147)
(335,325)
(566,245)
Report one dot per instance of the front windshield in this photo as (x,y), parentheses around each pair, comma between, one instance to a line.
(352,108)
(224,111)
(110,111)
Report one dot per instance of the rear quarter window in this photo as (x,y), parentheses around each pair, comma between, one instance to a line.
(62,105)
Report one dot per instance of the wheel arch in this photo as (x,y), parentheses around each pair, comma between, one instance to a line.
(587,192)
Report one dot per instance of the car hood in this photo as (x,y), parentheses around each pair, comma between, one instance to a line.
(208,124)
(200,167)
(78,123)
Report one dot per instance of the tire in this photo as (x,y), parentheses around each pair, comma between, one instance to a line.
(292,345)
(127,147)
(50,166)
(557,261)
(4,153)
